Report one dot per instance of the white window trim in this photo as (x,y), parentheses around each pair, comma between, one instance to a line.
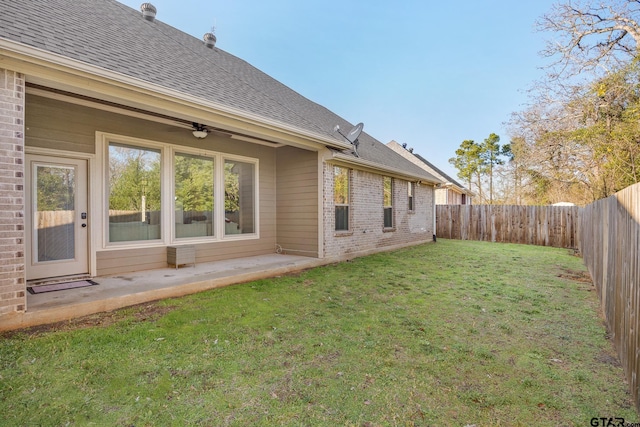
(219,208)
(167,184)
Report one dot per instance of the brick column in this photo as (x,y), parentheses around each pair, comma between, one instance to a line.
(12,234)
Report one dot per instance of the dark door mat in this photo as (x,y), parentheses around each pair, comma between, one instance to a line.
(60,286)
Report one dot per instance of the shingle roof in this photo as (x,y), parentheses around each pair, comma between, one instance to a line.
(115,37)
(444,176)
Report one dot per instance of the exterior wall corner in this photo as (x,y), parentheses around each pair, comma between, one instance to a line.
(12,193)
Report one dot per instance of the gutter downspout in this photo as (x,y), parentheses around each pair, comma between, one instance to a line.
(434,212)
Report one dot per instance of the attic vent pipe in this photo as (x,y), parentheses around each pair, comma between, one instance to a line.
(148,11)
(209,40)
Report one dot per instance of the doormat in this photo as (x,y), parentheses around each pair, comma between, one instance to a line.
(40,289)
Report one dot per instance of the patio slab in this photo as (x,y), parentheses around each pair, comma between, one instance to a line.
(124,290)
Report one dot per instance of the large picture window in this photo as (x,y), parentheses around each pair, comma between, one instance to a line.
(341,197)
(239,197)
(161,194)
(134,193)
(387,184)
(193,195)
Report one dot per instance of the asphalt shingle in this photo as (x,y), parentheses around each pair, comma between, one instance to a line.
(115,37)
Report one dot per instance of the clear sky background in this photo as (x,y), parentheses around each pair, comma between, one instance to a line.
(426,73)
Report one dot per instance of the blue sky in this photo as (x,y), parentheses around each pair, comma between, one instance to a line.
(428,74)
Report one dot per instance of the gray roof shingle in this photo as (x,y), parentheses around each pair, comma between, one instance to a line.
(115,37)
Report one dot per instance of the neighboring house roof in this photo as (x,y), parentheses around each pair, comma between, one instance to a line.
(430,167)
(115,37)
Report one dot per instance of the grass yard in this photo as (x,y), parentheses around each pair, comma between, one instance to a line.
(453,333)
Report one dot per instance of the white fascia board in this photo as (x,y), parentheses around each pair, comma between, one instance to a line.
(37,56)
(376,167)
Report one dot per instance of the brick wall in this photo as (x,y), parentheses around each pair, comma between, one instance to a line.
(12,273)
(366,231)
(441,196)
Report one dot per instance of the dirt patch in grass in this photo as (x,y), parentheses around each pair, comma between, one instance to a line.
(141,313)
(576,276)
(608,359)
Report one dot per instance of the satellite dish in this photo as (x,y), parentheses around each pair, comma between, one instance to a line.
(352,136)
(354,133)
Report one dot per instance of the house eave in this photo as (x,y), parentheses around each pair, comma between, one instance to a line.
(346,159)
(452,186)
(59,72)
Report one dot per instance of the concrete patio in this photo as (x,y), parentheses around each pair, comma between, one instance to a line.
(124,290)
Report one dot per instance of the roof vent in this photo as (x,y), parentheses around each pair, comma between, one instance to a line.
(209,40)
(148,11)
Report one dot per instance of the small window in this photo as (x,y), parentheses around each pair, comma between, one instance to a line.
(410,195)
(341,197)
(387,183)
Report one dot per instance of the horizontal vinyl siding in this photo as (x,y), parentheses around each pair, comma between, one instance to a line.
(59,125)
(129,260)
(297,201)
(124,261)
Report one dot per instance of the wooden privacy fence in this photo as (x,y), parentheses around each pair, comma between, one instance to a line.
(610,237)
(534,225)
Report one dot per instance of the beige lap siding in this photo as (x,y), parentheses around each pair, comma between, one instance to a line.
(55,124)
(297,201)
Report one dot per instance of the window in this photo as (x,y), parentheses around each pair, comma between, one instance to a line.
(341,197)
(193,195)
(239,197)
(134,193)
(161,194)
(410,193)
(387,186)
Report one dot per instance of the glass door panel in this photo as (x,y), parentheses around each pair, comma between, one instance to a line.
(55,212)
(57,235)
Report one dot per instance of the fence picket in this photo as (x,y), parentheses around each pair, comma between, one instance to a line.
(607,233)
(609,237)
(534,225)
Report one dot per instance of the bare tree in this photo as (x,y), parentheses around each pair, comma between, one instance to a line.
(579,138)
(592,36)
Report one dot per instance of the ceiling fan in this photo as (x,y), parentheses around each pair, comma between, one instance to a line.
(200,131)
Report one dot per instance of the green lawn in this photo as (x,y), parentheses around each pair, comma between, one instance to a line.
(452,333)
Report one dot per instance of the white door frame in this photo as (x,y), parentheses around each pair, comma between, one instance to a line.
(60,156)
